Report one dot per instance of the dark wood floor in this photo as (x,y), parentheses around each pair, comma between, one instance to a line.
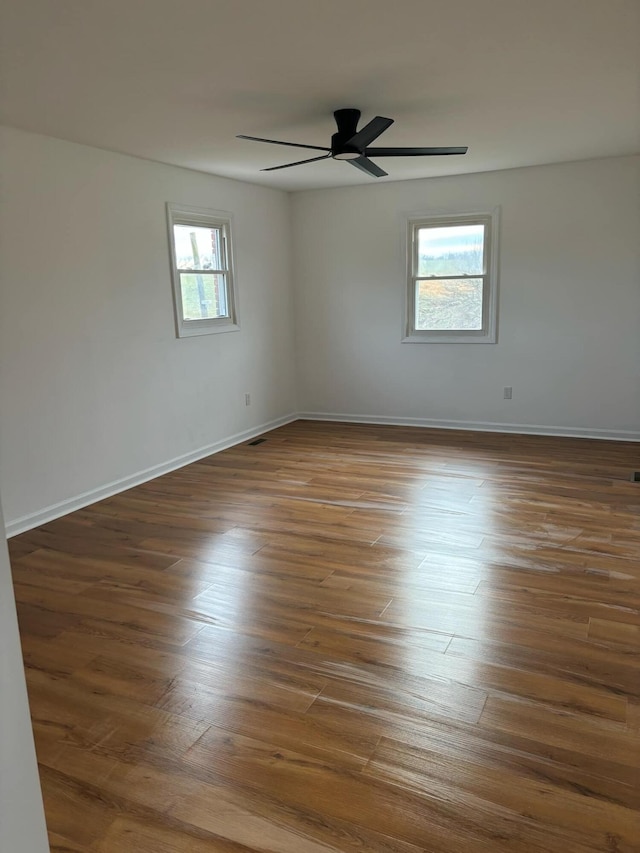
(346,638)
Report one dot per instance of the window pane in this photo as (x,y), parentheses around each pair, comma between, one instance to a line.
(452,305)
(204,297)
(451,250)
(198,247)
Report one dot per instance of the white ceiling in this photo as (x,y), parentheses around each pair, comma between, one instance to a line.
(521,82)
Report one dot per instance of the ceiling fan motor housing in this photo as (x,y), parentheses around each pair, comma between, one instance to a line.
(347,122)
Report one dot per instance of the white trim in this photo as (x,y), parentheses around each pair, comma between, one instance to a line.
(490,218)
(57,510)
(476,426)
(223,221)
(35,519)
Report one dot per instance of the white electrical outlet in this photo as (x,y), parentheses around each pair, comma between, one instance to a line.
(247,399)
(508,392)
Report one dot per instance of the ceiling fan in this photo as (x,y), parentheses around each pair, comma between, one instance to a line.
(352,145)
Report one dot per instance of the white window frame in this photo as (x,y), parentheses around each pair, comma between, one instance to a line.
(222,220)
(488,334)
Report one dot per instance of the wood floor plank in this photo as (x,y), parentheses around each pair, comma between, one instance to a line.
(544,802)
(611,631)
(572,771)
(575,660)
(580,732)
(347,638)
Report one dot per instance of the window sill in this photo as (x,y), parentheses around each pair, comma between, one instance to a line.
(213,328)
(448,338)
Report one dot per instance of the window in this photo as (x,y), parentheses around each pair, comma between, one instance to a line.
(452,279)
(202,271)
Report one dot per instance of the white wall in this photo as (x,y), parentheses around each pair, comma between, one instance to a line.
(569,324)
(22,826)
(94,385)
(95,388)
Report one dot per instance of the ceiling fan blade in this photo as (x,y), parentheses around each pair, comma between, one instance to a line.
(277,142)
(297,163)
(370,132)
(413,152)
(367,166)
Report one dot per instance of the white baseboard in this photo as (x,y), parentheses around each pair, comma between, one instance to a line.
(475,426)
(35,519)
(27,522)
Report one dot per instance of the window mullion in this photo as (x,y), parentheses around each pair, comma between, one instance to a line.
(483,275)
(200,272)
(460,277)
